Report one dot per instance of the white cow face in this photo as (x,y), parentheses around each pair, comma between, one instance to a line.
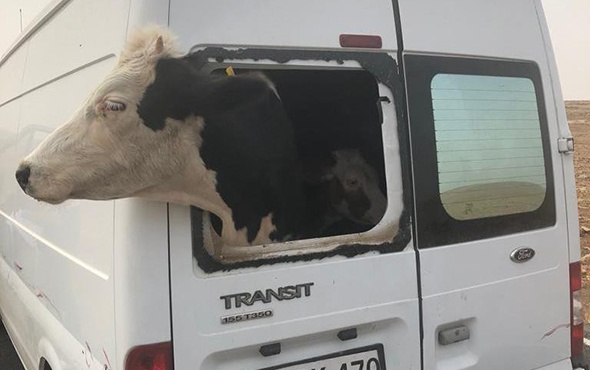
(355,191)
(105,151)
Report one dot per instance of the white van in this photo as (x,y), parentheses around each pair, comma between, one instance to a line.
(475,264)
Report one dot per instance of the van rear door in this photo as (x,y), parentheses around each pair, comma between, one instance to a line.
(336,312)
(489,186)
(312,304)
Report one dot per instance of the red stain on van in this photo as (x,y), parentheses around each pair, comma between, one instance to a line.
(552,331)
(42,295)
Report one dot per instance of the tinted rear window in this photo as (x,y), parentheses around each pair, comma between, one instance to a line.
(488,143)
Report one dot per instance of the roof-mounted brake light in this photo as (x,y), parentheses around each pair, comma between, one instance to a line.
(361,41)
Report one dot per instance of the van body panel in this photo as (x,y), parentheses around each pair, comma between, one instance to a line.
(9,113)
(67,272)
(84,282)
(12,74)
(475,284)
(141,286)
(52,340)
(571,196)
(35,125)
(44,63)
(146,12)
(306,327)
(62,302)
(272,24)
(565,365)
(502,29)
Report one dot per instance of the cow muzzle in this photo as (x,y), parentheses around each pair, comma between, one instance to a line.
(22,176)
(40,186)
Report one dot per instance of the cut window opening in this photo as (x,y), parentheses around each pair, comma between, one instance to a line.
(338,136)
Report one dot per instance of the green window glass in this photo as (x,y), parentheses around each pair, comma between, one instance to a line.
(488,143)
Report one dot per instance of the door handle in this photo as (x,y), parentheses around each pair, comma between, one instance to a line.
(453,335)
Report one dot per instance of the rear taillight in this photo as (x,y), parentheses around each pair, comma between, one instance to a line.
(576,310)
(157,356)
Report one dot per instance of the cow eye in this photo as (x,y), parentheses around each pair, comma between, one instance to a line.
(352,183)
(114,106)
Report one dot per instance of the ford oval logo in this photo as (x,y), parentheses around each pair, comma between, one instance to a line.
(521,255)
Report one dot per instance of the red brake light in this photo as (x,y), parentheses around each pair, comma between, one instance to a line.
(361,41)
(576,310)
(157,356)
(577,340)
(575,276)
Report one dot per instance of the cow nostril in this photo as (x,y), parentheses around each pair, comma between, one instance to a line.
(22,176)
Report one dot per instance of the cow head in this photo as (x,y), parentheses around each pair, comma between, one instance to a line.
(105,151)
(354,188)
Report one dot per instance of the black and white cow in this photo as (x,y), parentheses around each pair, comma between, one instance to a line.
(343,194)
(158,128)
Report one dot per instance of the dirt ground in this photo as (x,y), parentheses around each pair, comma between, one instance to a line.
(578,114)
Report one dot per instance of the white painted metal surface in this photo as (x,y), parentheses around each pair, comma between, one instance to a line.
(518,314)
(58,294)
(563,132)
(276,24)
(83,282)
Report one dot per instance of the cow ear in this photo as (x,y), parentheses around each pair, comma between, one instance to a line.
(156,48)
(159,45)
(149,44)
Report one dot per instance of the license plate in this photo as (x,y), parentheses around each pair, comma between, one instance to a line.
(366,358)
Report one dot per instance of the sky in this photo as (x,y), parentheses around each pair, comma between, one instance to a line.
(568,20)
(569,25)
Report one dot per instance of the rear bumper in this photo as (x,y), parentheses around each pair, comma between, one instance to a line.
(566,364)
(580,363)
